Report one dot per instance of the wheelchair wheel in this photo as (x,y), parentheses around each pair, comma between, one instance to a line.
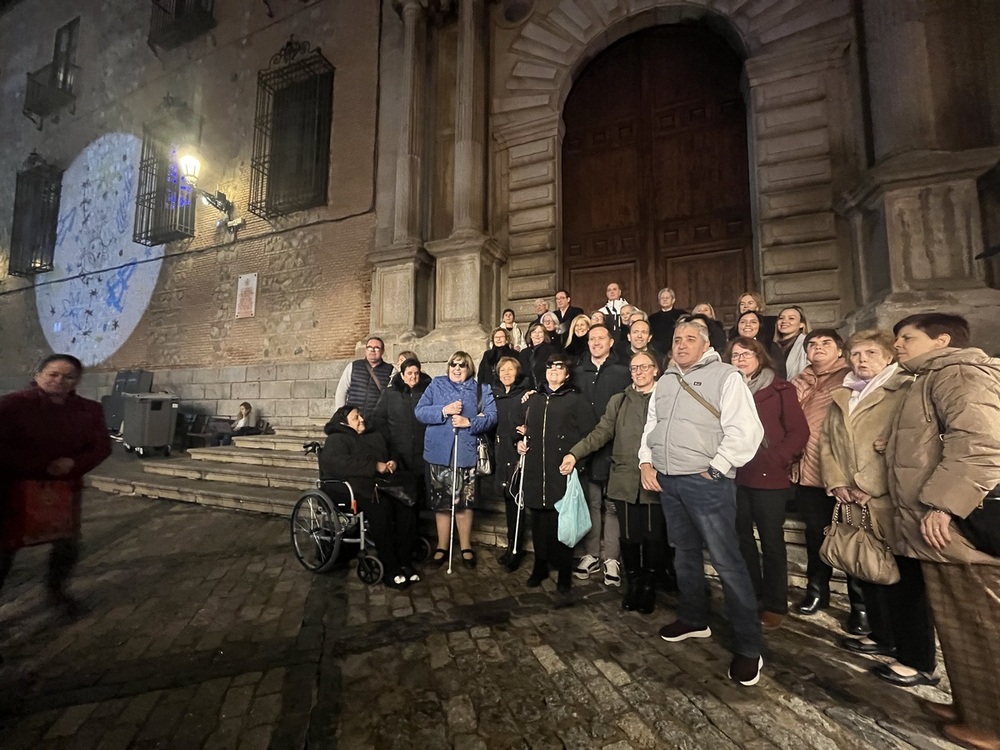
(316,532)
(370,569)
(422,549)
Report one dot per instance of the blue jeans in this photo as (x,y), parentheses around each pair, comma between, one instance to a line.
(701,513)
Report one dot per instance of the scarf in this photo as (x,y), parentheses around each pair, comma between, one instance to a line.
(761,380)
(862,389)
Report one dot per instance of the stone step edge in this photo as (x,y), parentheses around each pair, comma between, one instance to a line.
(250,475)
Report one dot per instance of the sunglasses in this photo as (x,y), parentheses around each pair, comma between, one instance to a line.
(457,364)
(555,366)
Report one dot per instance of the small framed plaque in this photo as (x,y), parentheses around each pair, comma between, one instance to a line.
(246,296)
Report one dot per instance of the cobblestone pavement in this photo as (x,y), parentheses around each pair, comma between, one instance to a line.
(205,632)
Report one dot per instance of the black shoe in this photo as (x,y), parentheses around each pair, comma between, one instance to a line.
(564,584)
(397,581)
(887,673)
(812,603)
(412,576)
(858,646)
(514,562)
(857,623)
(469,558)
(746,670)
(539,574)
(69,606)
(504,559)
(439,558)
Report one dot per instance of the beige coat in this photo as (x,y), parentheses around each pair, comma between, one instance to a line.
(852,447)
(944,451)
(815,392)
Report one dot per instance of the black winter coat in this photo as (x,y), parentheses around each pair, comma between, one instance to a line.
(394,419)
(510,415)
(486,374)
(533,360)
(556,422)
(597,387)
(352,457)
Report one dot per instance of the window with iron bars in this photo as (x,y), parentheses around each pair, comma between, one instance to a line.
(291,150)
(164,203)
(36,217)
(176,22)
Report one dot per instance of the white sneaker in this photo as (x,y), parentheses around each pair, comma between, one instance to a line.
(612,573)
(587,566)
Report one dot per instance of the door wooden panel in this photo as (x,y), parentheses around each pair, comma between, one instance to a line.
(655,172)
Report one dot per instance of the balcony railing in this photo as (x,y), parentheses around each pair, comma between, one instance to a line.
(177,22)
(49,91)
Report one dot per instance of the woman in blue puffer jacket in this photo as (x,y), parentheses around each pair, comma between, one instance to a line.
(454,405)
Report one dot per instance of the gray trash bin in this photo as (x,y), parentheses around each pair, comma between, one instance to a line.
(149,421)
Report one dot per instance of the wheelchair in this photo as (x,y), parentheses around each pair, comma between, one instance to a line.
(321,526)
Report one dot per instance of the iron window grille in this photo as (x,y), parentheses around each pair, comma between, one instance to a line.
(177,22)
(164,202)
(50,89)
(36,216)
(289,169)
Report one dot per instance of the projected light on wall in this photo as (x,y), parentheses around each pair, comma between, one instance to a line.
(101,282)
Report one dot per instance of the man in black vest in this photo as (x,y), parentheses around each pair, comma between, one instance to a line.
(364,379)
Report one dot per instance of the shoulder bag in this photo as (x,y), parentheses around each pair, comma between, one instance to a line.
(484,461)
(850,544)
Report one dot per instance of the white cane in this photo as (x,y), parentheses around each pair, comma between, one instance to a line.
(520,499)
(454,502)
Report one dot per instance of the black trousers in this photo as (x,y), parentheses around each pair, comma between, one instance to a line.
(816,508)
(62,560)
(393,526)
(900,616)
(545,536)
(765,509)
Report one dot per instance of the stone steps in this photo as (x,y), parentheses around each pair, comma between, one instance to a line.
(303,432)
(276,442)
(256,457)
(233,473)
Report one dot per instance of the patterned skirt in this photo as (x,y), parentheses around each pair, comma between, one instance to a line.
(443,485)
(965,601)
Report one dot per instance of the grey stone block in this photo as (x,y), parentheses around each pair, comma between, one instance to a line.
(232,374)
(276,389)
(310,389)
(245,391)
(294,371)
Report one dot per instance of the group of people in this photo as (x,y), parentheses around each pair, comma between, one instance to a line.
(704,446)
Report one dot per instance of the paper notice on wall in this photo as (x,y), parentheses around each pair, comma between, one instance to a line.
(246,296)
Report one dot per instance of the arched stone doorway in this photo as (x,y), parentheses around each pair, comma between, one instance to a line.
(655,172)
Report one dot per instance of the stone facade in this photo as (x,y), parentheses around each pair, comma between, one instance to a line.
(873,139)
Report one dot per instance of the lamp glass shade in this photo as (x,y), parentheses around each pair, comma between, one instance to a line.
(190,167)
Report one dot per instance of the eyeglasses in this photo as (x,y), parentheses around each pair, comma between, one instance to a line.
(555,366)
(457,364)
(640,368)
(737,356)
(374,348)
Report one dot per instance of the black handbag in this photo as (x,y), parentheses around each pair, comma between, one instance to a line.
(399,488)
(982,526)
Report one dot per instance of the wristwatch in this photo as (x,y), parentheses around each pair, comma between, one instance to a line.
(715,473)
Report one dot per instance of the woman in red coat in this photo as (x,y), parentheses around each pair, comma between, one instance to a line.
(763,487)
(48,434)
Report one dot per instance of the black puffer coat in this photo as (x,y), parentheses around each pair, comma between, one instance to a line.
(556,422)
(486,374)
(533,359)
(510,415)
(352,457)
(394,418)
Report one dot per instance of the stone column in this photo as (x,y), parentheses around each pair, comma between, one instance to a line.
(467,261)
(402,294)
(916,213)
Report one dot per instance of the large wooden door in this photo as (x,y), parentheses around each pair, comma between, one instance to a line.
(655,173)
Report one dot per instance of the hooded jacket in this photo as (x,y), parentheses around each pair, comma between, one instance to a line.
(396,420)
(352,457)
(944,450)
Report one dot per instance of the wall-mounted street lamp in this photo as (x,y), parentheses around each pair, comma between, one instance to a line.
(189,168)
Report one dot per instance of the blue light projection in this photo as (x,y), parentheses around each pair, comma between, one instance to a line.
(101,282)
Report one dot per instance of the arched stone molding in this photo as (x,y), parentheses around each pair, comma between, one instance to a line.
(805,140)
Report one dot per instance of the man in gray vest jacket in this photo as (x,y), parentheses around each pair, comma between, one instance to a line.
(702,424)
(364,379)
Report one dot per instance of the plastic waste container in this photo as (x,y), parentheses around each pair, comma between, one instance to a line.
(149,422)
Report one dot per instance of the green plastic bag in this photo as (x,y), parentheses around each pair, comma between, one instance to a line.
(574,515)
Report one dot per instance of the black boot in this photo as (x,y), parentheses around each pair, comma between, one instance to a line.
(565,580)
(539,573)
(514,562)
(817,597)
(857,623)
(646,599)
(630,561)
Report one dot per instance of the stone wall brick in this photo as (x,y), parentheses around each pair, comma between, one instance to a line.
(296,371)
(232,374)
(276,389)
(310,389)
(321,408)
(327,370)
(244,391)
